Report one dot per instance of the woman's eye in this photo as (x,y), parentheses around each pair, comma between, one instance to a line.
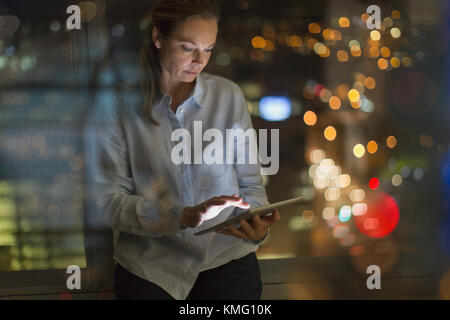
(186,48)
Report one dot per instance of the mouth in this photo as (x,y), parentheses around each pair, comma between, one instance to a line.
(191,73)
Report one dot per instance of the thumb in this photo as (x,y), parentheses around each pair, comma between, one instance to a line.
(240,204)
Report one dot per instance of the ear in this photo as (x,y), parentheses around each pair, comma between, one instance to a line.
(156,37)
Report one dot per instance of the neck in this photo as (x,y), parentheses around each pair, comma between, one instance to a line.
(175,88)
(178,90)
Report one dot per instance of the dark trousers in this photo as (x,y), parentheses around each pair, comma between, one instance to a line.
(238,279)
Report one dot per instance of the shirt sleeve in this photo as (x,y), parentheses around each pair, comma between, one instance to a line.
(111,186)
(249,174)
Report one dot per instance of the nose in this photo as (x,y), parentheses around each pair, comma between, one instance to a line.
(198,59)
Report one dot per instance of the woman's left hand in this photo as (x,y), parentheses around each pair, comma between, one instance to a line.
(255,230)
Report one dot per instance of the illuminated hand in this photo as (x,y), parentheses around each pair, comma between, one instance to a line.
(254,230)
(195,216)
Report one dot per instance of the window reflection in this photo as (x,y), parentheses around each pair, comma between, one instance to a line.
(364,137)
(41,218)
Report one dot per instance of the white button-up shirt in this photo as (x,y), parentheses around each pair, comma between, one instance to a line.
(141,192)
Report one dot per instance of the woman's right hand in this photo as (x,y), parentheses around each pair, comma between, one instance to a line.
(195,216)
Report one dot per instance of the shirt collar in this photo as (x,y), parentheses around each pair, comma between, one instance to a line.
(199,90)
(198,93)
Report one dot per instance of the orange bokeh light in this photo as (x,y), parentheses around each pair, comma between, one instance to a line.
(310,118)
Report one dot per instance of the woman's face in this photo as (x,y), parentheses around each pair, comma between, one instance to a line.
(187,50)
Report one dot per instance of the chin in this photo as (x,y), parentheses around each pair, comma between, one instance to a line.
(188,77)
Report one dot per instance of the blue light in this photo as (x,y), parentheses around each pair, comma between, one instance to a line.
(275,108)
(345,213)
(366,104)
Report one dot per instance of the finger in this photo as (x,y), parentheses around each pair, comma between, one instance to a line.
(242,204)
(223,200)
(235,202)
(256,219)
(223,231)
(238,202)
(247,228)
(237,232)
(216,202)
(231,198)
(258,222)
(274,216)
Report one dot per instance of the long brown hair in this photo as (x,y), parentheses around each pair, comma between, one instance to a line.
(164,16)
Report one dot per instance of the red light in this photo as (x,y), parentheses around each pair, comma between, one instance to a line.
(317,89)
(381,218)
(374,183)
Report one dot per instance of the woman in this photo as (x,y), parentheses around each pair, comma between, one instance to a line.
(156,204)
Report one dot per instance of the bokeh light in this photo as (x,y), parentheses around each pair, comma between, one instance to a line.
(381,218)
(310,118)
(275,108)
(359,150)
(325,95)
(344,22)
(343,90)
(343,181)
(258,42)
(385,52)
(374,183)
(391,142)
(353,95)
(396,14)
(318,89)
(295,41)
(342,56)
(317,155)
(328,213)
(345,213)
(407,62)
(397,180)
(330,133)
(375,35)
(359,209)
(335,103)
(372,52)
(396,33)
(418,174)
(382,64)
(340,231)
(395,62)
(372,147)
(314,28)
(357,195)
(332,194)
(405,172)
(364,17)
(88,10)
(370,83)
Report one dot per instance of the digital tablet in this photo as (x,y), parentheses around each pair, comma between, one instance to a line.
(247,215)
